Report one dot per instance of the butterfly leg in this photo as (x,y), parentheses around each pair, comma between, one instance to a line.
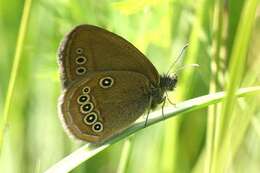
(163,104)
(174,104)
(148,112)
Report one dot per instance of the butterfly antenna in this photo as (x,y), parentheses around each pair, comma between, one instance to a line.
(186,66)
(177,59)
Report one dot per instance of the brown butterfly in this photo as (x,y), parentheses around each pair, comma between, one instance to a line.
(107,83)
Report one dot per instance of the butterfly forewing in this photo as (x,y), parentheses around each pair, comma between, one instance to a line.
(89,48)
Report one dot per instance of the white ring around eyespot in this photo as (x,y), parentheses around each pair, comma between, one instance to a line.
(86,92)
(80,73)
(79,50)
(84,59)
(85,118)
(85,112)
(88,98)
(100,130)
(104,78)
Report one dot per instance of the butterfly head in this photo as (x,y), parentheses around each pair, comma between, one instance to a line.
(168,83)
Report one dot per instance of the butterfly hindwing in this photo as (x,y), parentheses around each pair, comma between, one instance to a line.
(89,48)
(102,104)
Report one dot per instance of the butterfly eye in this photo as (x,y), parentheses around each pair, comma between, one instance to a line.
(97,127)
(90,118)
(86,90)
(79,51)
(83,99)
(86,108)
(81,70)
(81,59)
(106,82)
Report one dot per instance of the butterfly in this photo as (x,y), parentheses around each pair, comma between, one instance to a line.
(107,83)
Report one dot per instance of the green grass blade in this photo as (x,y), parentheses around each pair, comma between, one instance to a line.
(238,56)
(256,126)
(124,157)
(217,36)
(14,71)
(237,65)
(86,152)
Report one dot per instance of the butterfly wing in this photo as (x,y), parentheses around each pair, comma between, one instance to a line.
(104,103)
(89,48)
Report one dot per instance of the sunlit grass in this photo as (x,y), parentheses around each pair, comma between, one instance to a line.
(86,152)
(14,71)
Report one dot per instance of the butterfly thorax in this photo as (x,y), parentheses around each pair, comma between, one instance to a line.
(167,83)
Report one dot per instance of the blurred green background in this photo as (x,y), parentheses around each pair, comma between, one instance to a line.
(223,37)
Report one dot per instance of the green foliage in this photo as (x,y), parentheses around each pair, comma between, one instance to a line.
(223,37)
